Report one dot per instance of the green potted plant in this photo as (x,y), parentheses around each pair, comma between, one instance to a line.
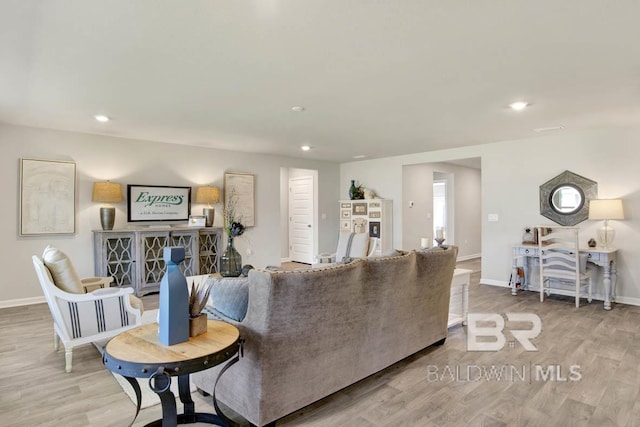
(197,300)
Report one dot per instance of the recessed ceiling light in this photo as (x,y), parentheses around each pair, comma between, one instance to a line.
(549,129)
(360,156)
(305,148)
(101,118)
(297,109)
(518,105)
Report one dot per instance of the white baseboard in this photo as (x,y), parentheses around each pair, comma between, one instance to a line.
(285,260)
(628,300)
(22,301)
(468,257)
(500,283)
(596,297)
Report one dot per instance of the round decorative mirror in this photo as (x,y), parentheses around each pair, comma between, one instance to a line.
(565,198)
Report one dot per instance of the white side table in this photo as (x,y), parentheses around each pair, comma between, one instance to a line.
(459,302)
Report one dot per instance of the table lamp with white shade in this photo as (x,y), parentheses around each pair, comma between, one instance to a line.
(606,209)
(107,192)
(208,194)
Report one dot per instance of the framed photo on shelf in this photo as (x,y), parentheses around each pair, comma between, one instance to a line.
(374,229)
(240,188)
(196,221)
(47,197)
(345,225)
(345,214)
(359,209)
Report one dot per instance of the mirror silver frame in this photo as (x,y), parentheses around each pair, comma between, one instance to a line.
(586,187)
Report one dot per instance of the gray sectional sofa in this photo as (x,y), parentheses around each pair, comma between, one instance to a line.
(310,333)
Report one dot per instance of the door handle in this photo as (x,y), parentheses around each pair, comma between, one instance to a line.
(308,225)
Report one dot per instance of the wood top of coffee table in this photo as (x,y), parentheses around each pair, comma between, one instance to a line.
(141,345)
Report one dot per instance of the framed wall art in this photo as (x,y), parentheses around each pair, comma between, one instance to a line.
(240,189)
(47,197)
(158,203)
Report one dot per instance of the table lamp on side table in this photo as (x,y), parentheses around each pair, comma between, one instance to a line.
(606,209)
(107,192)
(208,194)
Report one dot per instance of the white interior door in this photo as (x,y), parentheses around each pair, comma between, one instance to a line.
(301,209)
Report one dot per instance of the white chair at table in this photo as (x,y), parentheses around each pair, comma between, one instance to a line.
(560,261)
(79,317)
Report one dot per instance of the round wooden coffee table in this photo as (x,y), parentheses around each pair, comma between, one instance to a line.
(138,353)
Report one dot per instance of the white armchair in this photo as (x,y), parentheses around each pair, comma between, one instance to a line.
(350,245)
(81,318)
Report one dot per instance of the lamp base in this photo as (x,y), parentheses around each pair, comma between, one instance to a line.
(605,236)
(107,218)
(209,214)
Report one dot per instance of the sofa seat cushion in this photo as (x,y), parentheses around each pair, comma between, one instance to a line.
(229,296)
(63,273)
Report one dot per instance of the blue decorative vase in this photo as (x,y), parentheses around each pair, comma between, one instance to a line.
(353,191)
(230,261)
(173,322)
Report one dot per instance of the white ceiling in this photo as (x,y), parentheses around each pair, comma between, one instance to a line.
(377,78)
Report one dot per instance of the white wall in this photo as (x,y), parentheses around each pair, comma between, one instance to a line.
(140,162)
(417,183)
(512,172)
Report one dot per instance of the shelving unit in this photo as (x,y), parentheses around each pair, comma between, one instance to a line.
(372,216)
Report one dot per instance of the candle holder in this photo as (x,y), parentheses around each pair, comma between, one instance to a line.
(440,240)
(424,243)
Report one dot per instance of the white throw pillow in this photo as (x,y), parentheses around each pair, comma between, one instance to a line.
(358,249)
(62,271)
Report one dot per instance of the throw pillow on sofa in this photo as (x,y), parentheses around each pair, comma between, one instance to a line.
(229,297)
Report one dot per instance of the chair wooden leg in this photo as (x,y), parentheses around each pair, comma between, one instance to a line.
(56,341)
(541,290)
(68,355)
(578,292)
(590,298)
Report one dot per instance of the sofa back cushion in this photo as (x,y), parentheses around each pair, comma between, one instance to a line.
(63,273)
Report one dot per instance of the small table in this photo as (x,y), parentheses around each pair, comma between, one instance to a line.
(604,258)
(459,300)
(137,353)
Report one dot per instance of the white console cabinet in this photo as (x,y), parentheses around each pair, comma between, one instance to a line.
(134,257)
(372,216)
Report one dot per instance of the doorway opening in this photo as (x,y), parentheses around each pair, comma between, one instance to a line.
(439,209)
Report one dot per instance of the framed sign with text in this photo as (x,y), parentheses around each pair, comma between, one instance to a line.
(158,203)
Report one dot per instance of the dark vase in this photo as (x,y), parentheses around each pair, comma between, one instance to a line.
(231,261)
(353,191)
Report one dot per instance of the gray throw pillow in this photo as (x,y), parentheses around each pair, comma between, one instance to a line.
(229,296)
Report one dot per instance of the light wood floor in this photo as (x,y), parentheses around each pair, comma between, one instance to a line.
(35,390)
